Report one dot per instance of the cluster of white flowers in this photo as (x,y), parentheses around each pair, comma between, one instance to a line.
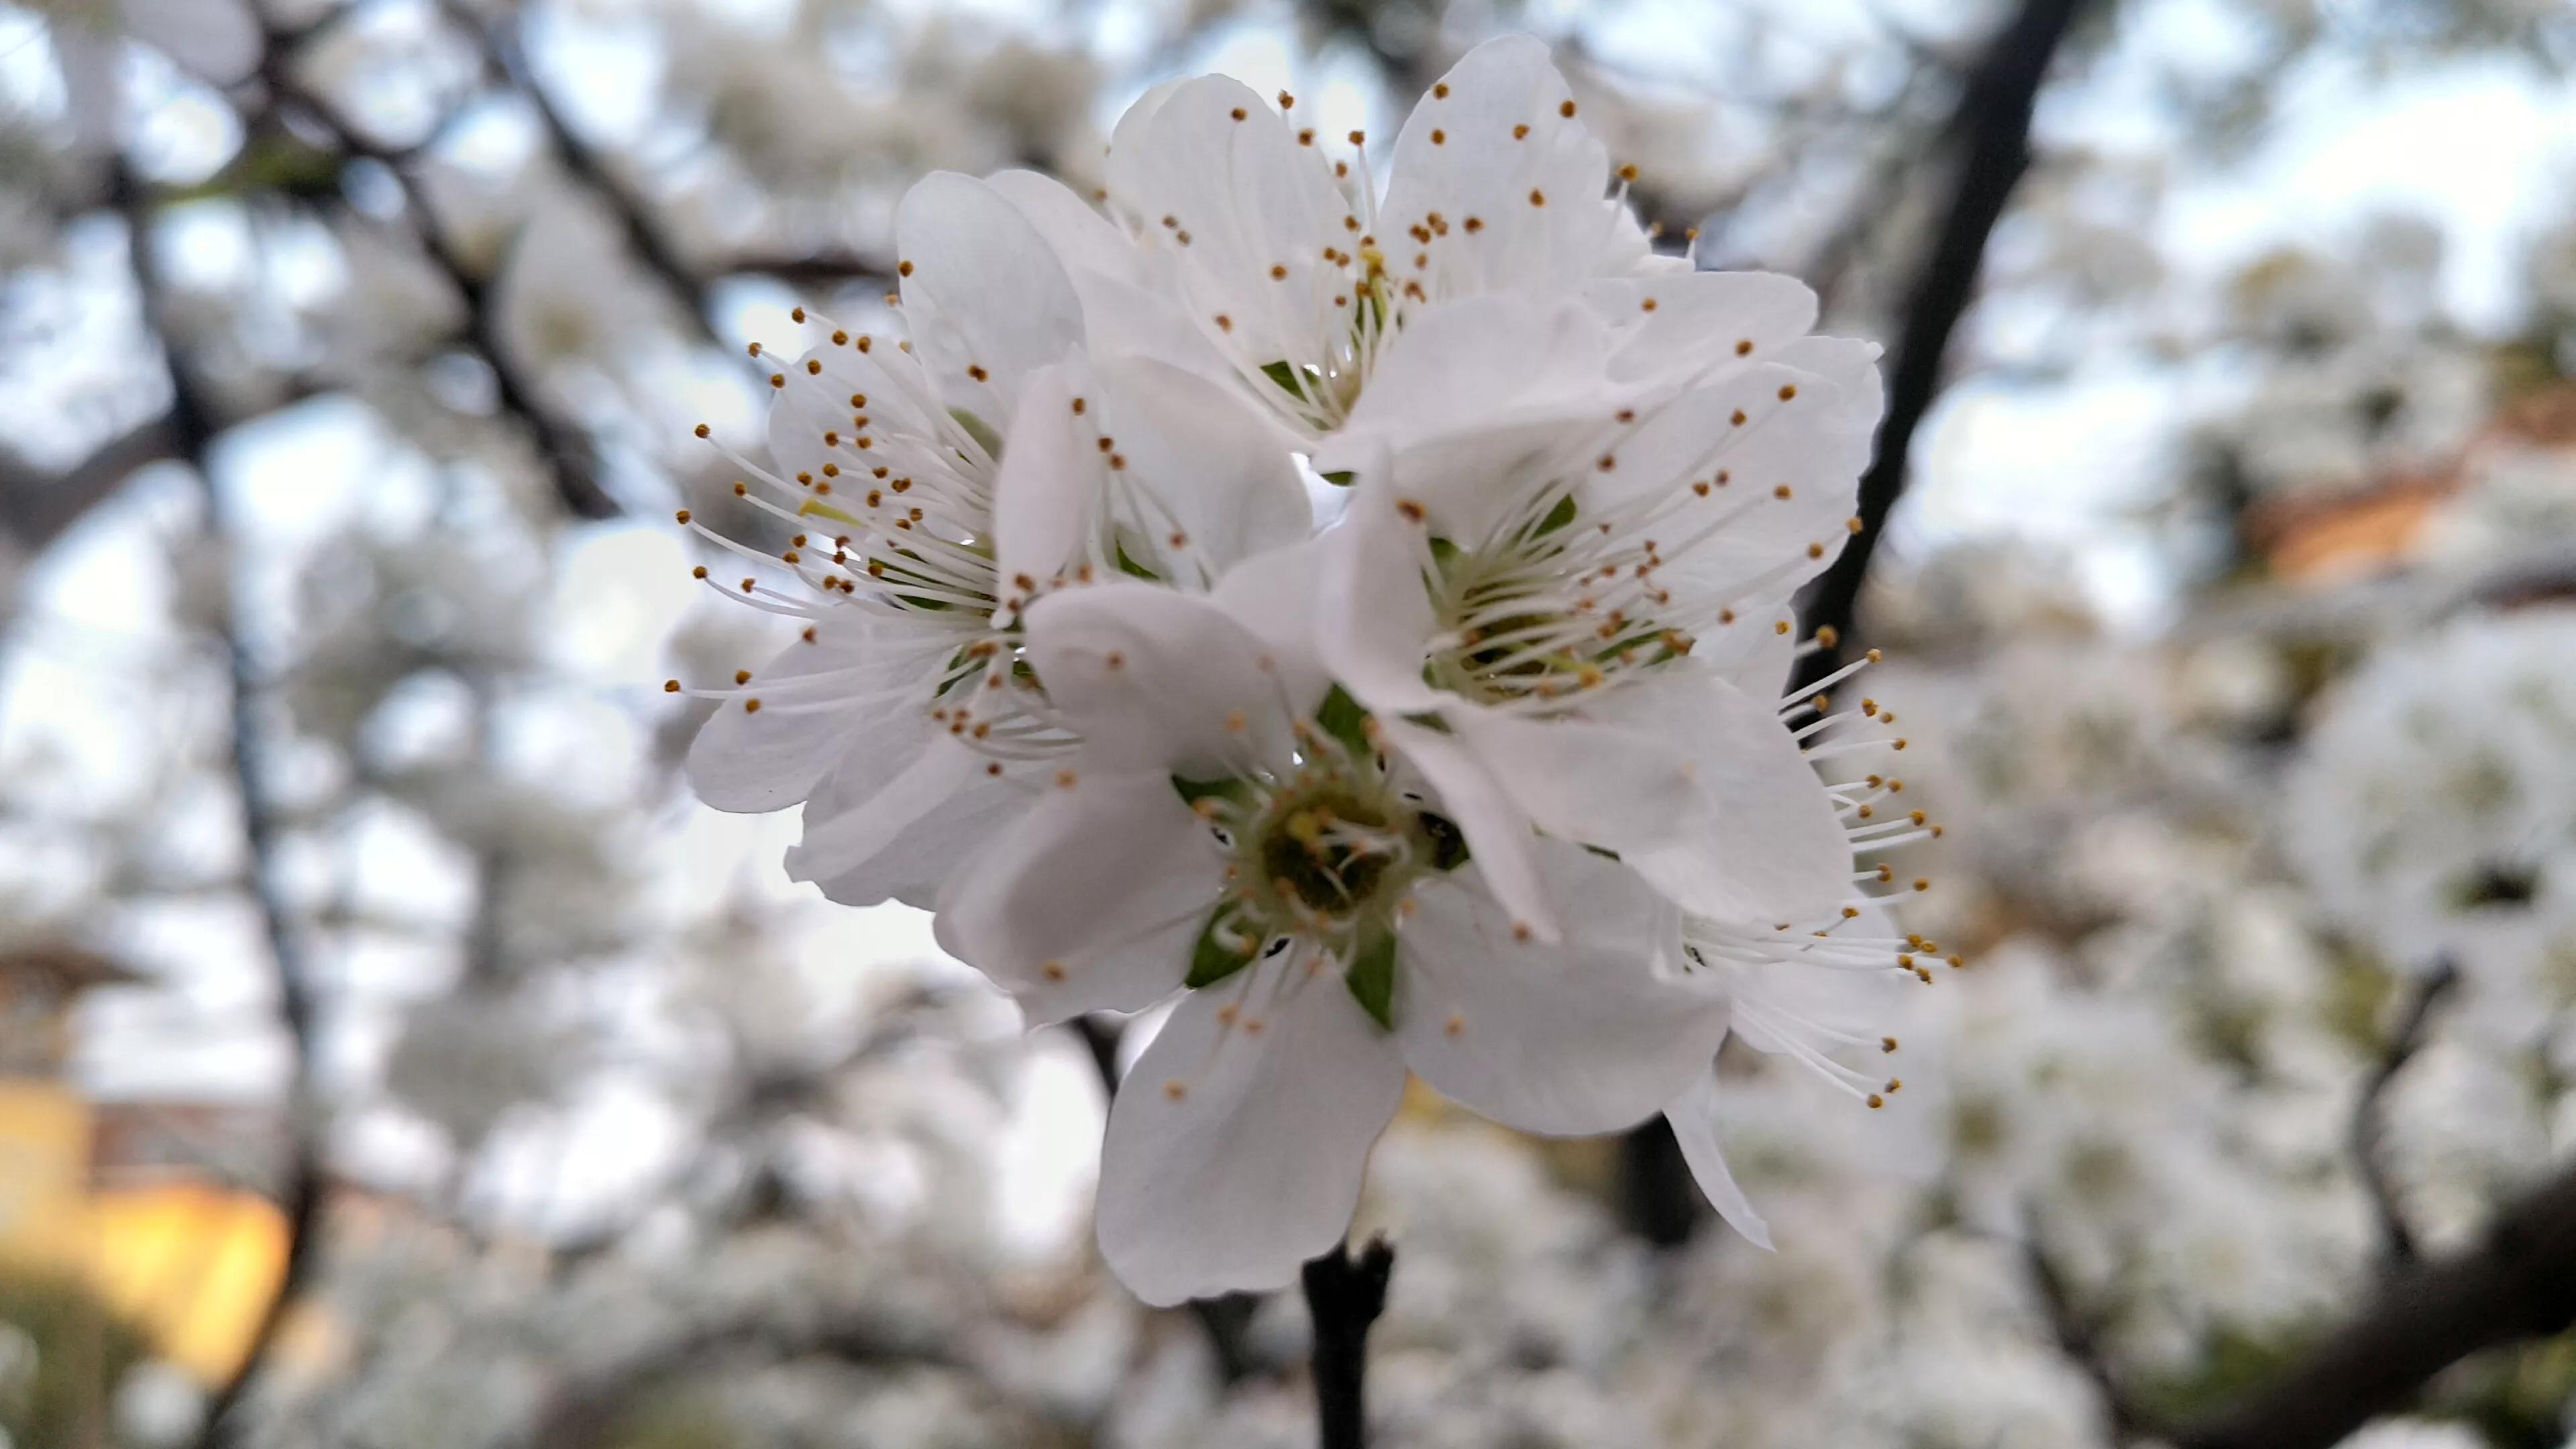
(2435,817)
(1360,612)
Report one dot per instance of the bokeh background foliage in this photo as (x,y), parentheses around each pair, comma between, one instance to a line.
(392,1055)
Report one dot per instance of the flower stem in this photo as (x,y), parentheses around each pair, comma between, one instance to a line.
(1344,1295)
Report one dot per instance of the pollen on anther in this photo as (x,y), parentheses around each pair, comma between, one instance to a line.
(1815,550)
(1176,1090)
(1537,197)
(1781,492)
(1224,323)
(742,676)
(813,367)
(1440,92)
(751,706)
(1474,224)
(1780,626)
(1359,138)
(1410,510)
(1647,305)
(1241,114)
(1738,418)
(1876,1101)
(1439,137)
(1522,932)
(1278,273)
(977,372)
(778,379)
(670,686)
(699,572)
(702,430)
(1788,390)
(1566,110)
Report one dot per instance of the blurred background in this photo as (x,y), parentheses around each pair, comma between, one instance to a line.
(392,1054)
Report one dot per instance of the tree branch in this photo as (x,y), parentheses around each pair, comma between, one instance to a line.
(1992,131)
(2397,1237)
(2079,1337)
(192,428)
(570,456)
(36,507)
(507,59)
(1344,1295)
(2517,1283)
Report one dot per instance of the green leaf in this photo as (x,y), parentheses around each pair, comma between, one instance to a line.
(1229,788)
(1557,517)
(1342,478)
(1215,957)
(1127,565)
(1371,976)
(980,430)
(1343,719)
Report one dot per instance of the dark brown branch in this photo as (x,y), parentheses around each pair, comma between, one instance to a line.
(508,62)
(193,427)
(36,507)
(2517,1283)
(2397,1237)
(1344,1295)
(1991,131)
(584,1410)
(569,454)
(2079,1337)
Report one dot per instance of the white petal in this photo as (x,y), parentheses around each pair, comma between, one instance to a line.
(1045,492)
(1129,306)
(1622,788)
(1686,325)
(1083,239)
(1763,843)
(1373,620)
(918,861)
(1693,1116)
(771,758)
(1158,680)
(1470,389)
(1277,595)
(1091,901)
(1250,199)
(1593,1035)
(1498,832)
(1510,158)
(984,293)
(1786,478)
(1220,474)
(881,393)
(1232,1155)
(933,770)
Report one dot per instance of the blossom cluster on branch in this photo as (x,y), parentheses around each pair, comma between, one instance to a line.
(1359,611)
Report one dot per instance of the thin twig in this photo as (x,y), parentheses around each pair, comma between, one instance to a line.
(571,457)
(1992,127)
(2516,1284)
(507,61)
(1344,1295)
(2398,1244)
(193,428)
